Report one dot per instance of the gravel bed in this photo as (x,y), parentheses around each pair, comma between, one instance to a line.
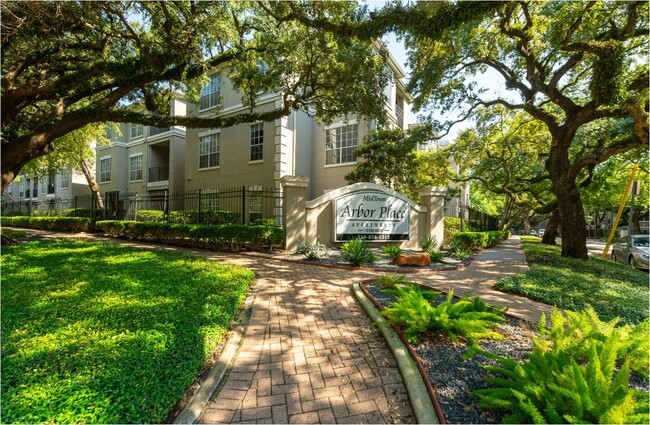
(335,258)
(454,378)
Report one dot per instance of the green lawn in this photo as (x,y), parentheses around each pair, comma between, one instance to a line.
(612,289)
(103,333)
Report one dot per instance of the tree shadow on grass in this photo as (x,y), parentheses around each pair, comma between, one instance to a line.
(105,333)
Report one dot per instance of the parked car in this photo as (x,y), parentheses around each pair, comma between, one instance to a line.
(541,233)
(632,250)
(533,233)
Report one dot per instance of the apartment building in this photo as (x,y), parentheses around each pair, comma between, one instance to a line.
(142,159)
(260,154)
(54,190)
(157,163)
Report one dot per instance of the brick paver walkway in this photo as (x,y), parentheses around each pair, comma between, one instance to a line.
(310,355)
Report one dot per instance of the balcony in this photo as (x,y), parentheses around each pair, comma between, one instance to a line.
(159,174)
(154,131)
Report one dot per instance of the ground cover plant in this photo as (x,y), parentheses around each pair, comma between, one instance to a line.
(103,333)
(613,290)
(577,372)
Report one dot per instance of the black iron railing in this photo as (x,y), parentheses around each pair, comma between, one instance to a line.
(158,174)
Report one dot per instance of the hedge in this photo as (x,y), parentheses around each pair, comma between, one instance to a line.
(63,224)
(478,240)
(232,237)
(69,212)
(189,216)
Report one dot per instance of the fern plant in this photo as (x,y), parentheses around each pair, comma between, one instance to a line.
(573,332)
(578,372)
(469,319)
(554,388)
(459,251)
(357,253)
(390,281)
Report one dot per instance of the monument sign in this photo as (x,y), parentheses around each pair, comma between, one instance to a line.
(371,216)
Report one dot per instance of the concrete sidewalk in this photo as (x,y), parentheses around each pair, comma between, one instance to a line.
(311,355)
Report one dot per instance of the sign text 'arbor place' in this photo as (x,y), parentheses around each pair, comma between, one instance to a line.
(371,216)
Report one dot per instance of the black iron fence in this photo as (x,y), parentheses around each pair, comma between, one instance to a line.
(473,219)
(249,203)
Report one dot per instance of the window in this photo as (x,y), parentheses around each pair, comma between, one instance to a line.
(257,141)
(340,143)
(51,185)
(35,188)
(255,206)
(28,189)
(209,151)
(21,190)
(210,93)
(105,170)
(135,167)
(210,200)
(137,130)
(64,183)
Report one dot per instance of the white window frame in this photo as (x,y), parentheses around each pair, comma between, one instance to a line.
(103,173)
(210,93)
(341,150)
(64,179)
(51,178)
(203,152)
(255,202)
(210,200)
(132,170)
(256,146)
(138,133)
(21,190)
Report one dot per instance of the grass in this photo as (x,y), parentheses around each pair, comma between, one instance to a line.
(612,289)
(102,333)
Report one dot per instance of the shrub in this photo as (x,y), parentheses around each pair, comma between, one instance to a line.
(314,251)
(63,224)
(357,253)
(471,241)
(452,226)
(391,251)
(154,216)
(206,217)
(571,376)
(472,320)
(69,212)
(226,236)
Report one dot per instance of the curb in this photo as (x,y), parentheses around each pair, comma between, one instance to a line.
(415,387)
(201,398)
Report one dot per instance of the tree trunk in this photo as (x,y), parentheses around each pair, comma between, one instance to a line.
(551,228)
(572,216)
(94,187)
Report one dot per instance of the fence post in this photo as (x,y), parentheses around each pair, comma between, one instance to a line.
(167,205)
(294,212)
(199,207)
(433,199)
(243,205)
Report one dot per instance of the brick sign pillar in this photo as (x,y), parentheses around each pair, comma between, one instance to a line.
(433,199)
(294,214)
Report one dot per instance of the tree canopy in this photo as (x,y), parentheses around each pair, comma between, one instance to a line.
(69,64)
(566,64)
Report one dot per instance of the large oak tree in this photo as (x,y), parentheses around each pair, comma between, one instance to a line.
(67,64)
(566,64)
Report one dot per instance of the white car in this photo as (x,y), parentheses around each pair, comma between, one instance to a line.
(533,233)
(541,232)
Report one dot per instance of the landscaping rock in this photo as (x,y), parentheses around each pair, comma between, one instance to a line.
(422,260)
